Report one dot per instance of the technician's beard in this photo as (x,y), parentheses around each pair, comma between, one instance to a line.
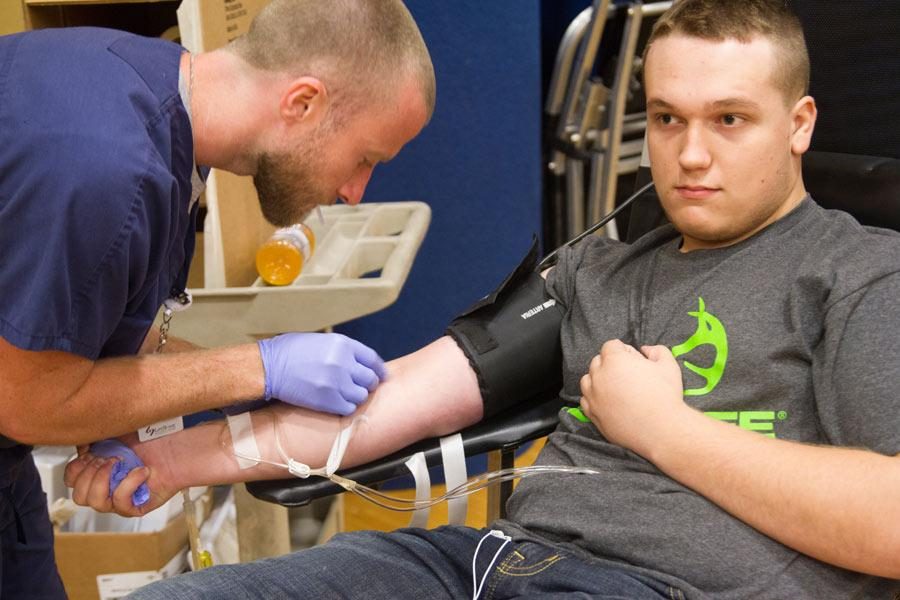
(286,188)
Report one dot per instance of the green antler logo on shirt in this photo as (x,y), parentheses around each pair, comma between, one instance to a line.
(709,331)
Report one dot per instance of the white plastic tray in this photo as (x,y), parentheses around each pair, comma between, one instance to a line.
(362,258)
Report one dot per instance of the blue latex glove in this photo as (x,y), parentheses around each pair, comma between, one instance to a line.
(128,460)
(327,372)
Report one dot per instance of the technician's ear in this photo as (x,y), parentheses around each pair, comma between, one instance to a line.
(305,99)
(803,117)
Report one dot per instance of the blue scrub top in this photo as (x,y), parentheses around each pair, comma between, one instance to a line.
(96,155)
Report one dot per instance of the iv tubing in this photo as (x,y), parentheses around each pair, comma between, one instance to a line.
(388,501)
(406,505)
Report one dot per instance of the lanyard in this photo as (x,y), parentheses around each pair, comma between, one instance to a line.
(178,302)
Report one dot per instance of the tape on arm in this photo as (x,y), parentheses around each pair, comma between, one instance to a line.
(511,338)
(243,441)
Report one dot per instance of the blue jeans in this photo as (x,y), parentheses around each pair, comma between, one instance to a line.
(27,566)
(413,563)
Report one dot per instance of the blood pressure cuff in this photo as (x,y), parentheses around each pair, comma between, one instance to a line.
(511,338)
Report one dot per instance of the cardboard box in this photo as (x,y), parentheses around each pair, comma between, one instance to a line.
(83,557)
(109,565)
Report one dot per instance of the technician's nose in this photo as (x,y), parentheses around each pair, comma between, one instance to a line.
(352,191)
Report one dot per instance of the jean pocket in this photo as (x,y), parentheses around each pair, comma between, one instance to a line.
(674,593)
(528,560)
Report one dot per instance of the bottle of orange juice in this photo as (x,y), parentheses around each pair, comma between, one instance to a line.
(280,260)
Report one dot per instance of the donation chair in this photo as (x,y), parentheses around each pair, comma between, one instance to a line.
(867,187)
(594,114)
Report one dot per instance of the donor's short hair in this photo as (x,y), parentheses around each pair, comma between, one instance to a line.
(743,20)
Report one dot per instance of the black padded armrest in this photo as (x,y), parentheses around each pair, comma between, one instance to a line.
(506,430)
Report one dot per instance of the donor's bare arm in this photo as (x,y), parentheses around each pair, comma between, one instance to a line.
(428,393)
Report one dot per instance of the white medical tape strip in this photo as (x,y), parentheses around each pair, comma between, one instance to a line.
(455,474)
(419,469)
(242,440)
(340,444)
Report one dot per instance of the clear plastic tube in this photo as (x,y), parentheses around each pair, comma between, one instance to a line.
(469,487)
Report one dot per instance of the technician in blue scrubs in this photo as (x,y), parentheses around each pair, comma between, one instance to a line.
(105,140)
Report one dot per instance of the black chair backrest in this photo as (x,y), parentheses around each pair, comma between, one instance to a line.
(854,53)
(867,187)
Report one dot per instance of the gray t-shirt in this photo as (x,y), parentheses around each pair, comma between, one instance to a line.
(793,333)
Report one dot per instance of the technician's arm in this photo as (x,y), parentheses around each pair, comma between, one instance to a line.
(836,504)
(428,393)
(58,398)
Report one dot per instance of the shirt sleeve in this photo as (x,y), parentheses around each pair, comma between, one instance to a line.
(94,189)
(76,247)
(856,369)
(561,278)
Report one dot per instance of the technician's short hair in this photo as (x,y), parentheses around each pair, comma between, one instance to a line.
(361,49)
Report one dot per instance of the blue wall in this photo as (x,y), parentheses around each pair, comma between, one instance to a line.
(477,165)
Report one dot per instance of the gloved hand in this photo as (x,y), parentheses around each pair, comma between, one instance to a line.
(128,460)
(328,372)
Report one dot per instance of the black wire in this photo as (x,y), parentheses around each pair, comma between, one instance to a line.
(548,260)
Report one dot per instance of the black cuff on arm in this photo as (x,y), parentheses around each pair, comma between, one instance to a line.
(511,338)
